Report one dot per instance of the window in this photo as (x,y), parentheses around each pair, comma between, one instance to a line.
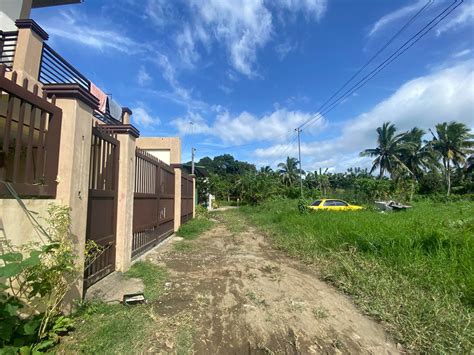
(316,203)
(335,203)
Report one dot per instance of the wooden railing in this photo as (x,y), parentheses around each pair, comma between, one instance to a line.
(56,70)
(30,130)
(7,48)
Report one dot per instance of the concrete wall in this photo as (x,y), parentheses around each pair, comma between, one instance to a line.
(15,224)
(161,146)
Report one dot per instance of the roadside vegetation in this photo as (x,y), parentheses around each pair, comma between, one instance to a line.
(412,270)
(192,230)
(405,164)
(114,328)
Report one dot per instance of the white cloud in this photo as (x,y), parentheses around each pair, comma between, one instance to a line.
(246,127)
(242,27)
(72,26)
(226,89)
(178,94)
(284,48)
(143,78)
(142,118)
(445,95)
(314,8)
(463,16)
(462,53)
(396,15)
(159,11)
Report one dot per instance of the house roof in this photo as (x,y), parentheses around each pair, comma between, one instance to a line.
(46,3)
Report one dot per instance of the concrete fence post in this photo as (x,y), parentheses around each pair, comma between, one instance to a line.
(126,135)
(78,106)
(28,50)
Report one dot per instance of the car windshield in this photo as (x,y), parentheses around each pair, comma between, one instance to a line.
(316,203)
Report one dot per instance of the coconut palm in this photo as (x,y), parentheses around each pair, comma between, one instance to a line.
(266,170)
(454,142)
(289,171)
(418,158)
(470,164)
(388,151)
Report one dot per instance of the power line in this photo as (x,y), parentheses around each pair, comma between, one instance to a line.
(371,59)
(401,50)
(288,147)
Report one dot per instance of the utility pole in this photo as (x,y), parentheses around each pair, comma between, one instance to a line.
(193,150)
(299,159)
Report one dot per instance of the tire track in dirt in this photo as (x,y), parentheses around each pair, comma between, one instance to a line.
(246,298)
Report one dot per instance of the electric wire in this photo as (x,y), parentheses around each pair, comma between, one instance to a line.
(371,59)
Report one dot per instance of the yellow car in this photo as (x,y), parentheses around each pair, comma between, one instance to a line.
(329,204)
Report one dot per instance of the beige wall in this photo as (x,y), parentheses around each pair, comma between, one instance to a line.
(15,223)
(162,144)
(28,56)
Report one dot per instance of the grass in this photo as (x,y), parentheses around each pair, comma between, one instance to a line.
(117,329)
(233,223)
(153,277)
(194,228)
(412,270)
(191,231)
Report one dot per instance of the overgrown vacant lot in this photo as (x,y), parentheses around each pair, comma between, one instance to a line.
(412,270)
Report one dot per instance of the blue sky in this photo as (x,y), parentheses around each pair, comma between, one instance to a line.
(248,72)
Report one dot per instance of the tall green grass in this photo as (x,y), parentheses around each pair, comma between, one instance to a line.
(412,270)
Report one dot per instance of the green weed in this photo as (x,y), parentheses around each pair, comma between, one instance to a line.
(116,329)
(413,270)
(153,277)
(194,228)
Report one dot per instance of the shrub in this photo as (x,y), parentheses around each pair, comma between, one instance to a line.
(32,275)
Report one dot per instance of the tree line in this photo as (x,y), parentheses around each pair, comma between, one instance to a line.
(404,164)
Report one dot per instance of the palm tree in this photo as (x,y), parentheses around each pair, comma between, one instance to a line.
(470,164)
(289,171)
(453,141)
(388,150)
(418,158)
(266,170)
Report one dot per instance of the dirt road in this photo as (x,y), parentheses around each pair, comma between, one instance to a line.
(237,295)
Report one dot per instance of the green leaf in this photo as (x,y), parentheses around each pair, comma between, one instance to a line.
(9,350)
(49,247)
(33,260)
(11,257)
(43,345)
(10,309)
(6,330)
(10,270)
(31,327)
(24,350)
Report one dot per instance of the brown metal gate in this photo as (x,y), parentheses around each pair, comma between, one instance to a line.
(102,205)
(187,197)
(153,205)
(30,132)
